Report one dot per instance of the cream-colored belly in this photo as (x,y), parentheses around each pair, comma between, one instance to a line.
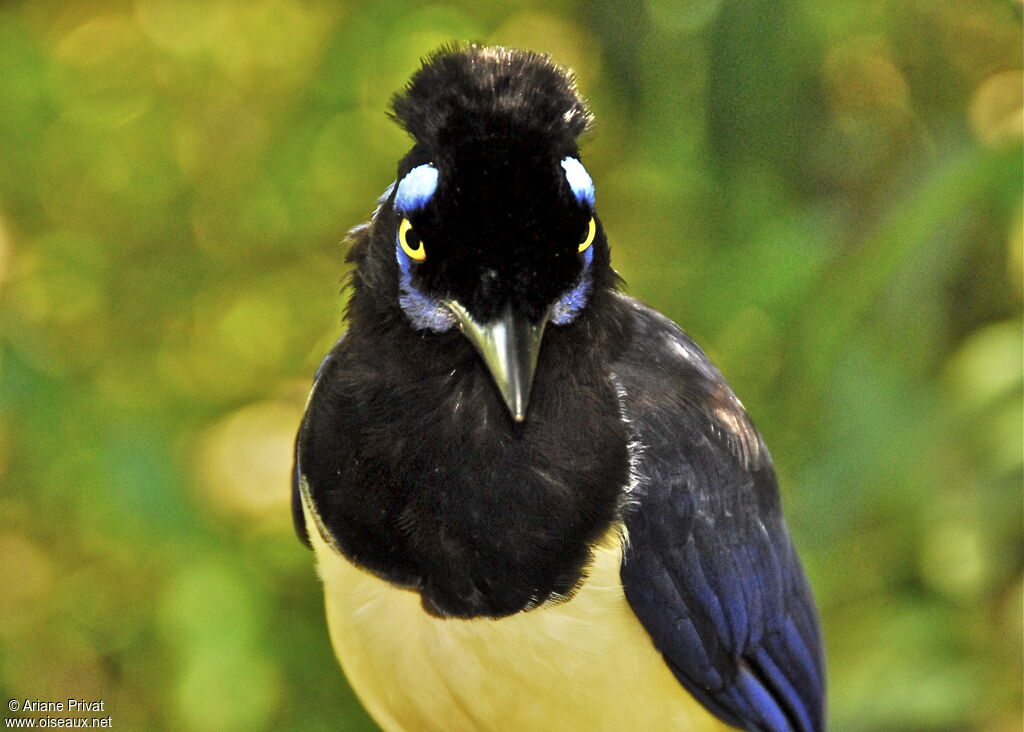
(586,664)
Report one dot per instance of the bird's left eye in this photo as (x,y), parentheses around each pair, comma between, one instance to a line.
(410,241)
(588,236)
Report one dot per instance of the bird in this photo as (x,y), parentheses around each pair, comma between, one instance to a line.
(534,502)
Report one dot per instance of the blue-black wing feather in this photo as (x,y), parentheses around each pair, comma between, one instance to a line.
(709,569)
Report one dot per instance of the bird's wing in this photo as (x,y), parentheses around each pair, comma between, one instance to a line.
(709,568)
(298,518)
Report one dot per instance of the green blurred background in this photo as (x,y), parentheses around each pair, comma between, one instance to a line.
(827,195)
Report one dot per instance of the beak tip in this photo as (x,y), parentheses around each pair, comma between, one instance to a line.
(508,345)
(516,407)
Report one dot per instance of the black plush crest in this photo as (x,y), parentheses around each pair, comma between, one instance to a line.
(465,92)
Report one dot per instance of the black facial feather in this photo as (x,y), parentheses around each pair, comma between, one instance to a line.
(504,225)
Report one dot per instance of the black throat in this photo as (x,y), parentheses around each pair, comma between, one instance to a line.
(418,473)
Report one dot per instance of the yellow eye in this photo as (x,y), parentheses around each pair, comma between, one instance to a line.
(589,238)
(411,242)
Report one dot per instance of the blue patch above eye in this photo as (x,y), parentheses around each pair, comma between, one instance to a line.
(579,180)
(416,188)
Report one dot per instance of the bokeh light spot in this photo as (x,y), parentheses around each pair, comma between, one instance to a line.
(211,615)
(863,78)
(246,459)
(60,278)
(227,692)
(1015,252)
(953,559)
(988,366)
(997,108)
(6,253)
(103,74)
(27,574)
(208,606)
(182,26)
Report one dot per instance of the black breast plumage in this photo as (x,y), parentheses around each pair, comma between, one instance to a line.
(420,476)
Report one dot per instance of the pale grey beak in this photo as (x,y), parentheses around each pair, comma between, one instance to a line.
(508,345)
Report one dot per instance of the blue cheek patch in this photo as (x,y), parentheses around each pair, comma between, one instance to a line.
(416,188)
(423,311)
(579,180)
(570,304)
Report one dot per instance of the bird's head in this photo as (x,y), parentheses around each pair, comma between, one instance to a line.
(490,227)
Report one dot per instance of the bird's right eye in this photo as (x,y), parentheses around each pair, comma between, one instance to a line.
(410,241)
